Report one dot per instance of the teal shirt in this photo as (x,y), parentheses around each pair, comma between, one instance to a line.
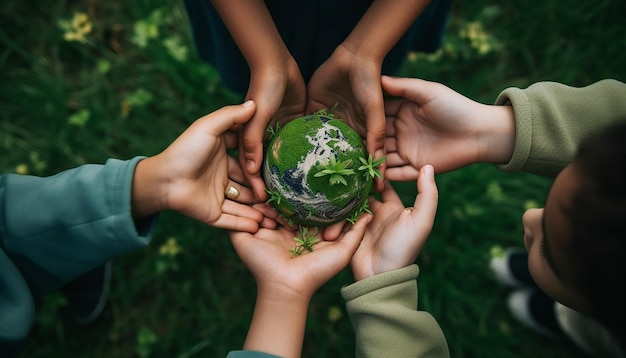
(54,229)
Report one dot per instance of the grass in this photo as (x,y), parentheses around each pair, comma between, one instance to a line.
(136,82)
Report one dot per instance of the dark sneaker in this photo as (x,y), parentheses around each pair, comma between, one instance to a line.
(511,268)
(535,310)
(88,294)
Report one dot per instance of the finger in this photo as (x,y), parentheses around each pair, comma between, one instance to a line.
(251,144)
(352,238)
(269,215)
(226,117)
(250,161)
(389,194)
(272,214)
(332,232)
(258,187)
(245,194)
(414,89)
(427,197)
(236,223)
(230,207)
(266,210)
(235,172)
(404,173)
(268,223)
(395,160)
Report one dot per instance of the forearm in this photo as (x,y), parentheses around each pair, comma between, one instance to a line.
(551,119)
(149,189)
(58,227)
(496,134)
(253,29)
(384,23)
(383,312)
(277,326)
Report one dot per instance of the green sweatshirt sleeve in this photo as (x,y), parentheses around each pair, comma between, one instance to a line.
(551,119)
(384,315)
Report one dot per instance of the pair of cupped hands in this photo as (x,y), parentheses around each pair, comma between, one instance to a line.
(425,126)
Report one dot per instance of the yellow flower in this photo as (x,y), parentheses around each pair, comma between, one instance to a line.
(77,28)
(170,248)
(481,40)
(334,313)
(21,168)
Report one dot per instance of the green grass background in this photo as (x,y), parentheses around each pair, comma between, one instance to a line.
(136,82)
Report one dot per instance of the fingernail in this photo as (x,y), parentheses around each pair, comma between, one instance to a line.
(428,171)
(379,154)
(250,165)
(247,103)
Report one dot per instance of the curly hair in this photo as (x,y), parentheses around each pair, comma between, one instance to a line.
(598,219)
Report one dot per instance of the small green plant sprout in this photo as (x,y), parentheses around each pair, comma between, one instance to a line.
(337,170)
(308,238)
(274,197)
(369,166)
(273,131)
(355,216)
(329,113)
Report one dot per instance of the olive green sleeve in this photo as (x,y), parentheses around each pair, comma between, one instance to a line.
(384,315)
(551,119)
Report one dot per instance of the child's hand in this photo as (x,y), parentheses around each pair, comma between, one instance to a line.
(353,83)
(396,234)
(192,175)
(431,123)
(279,273)
(280,95)
(286,283)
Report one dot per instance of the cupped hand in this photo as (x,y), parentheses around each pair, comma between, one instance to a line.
(396,234)
(195,170)
(353,84)
(278,272)
(280,95)
(431,123)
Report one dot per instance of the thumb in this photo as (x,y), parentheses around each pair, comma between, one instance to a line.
(352,238)
(226,117)
(426,201)
(413,89)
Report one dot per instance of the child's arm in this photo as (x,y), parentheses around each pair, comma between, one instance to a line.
(193,173)
(276,84)
(429,122)
(382,304)
(536,129)
(55,228)
(351,76)
(286,283)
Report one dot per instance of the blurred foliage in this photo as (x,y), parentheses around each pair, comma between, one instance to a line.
(83,81)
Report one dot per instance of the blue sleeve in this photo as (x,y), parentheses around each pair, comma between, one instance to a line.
(54,229)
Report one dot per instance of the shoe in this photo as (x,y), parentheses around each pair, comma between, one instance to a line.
(88,294)
(511,268)
(535,310)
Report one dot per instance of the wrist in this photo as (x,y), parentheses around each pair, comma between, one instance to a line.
(498,136)
(148,189)
(277,325)
(351,50)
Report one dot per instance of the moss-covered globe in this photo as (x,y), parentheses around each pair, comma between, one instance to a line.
(314,173)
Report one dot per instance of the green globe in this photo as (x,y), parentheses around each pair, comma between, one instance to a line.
(314,172)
